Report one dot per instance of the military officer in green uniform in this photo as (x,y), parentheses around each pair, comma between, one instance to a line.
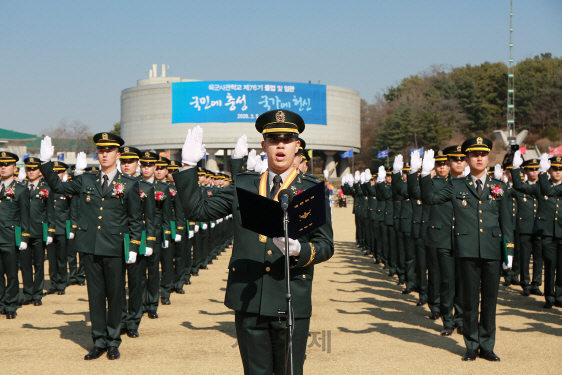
(56,251)
(32,259)
(14,232)
(482,222)
(255,287)
(136,272)
(110,225)
(76,275)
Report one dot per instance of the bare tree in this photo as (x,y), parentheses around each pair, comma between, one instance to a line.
(71,136)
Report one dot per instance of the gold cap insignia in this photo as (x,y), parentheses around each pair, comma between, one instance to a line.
(3,154)
(535,161)
(126,149)
(558,159)
(104,136)
(172,163)
(32,160)
(280,116)
(479,140)
(459,148)
(440,153)
(56,163)
(147,154)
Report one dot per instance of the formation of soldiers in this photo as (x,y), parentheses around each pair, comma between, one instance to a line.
(437,233)
(38,223)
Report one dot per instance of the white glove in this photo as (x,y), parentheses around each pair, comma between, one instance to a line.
(415,162)
(193,149)
(368,175)
(212,224)
(21,175)
(544,164)
(138,171)
(65,178)
(517,159)
(428,163)
(178,238)
(241,148)
(509,262)
(49,240)
(196,229)
(23,246)
(498,173)
(251,164)
(148,252)
(71,236)
(362,178)
(81,163)
(47,149)
(204,226)
(294,246)
(258,164)
(132,258)
(466,171)
(119,166)
(326,174)
(191,234)
(525,178)
(357,177)
(398,164)
(165,244)
(264,165)
(381,175)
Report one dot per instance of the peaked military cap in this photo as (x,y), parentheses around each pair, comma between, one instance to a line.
(59,166)
(162,162)
(531,164)
(280,123)
(490,170)
(302,146)
(454,152)
(305,155)
(441,156)
(556,161)
(92,169)
(477,144)
(32,162)
(148,157)
(129,153)
(508,165)
(200,171)
(406,167)
(174,165)
(8,157)
(388,171)
(108,140)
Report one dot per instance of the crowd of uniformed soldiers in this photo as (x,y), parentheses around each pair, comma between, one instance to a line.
(46,223)
(419,228)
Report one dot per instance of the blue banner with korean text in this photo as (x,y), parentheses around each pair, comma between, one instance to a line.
(244,101)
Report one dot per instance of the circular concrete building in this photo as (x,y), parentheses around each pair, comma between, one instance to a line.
(157,113)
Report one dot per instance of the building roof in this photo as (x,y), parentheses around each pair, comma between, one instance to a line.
(13,135)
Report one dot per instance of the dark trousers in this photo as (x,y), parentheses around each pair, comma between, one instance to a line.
(136,282)
(167,262)
(153,276)
(197,251)
(400,254)
(552,254)
(180,262)
(205,246)
(261,341)
(75,263)
(58,267)
(188,260)
(450,289)
(391,249)
(358,229)
(409,261)
(433,279)
(511,275)
(32,262)
(531,245)
(9,283)
(106,287)
(480,284)
(367,234)
(421,268)
(374,234)
(382,243)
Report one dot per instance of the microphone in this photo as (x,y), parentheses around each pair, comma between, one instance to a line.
(285,197)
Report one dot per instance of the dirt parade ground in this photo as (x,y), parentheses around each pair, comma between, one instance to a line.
(361,324)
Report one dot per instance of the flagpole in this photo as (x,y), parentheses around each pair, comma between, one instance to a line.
(387,154)
(352,162)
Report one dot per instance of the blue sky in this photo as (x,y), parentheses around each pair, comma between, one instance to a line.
(71,59)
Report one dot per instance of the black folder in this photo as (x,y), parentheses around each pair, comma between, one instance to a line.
(262,215)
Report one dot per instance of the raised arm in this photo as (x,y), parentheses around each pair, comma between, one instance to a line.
(414,186)
(521,187)
(57,186)
(431,196)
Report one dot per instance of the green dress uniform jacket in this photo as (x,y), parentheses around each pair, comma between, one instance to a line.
(41,211)
(149,210)
(256,269)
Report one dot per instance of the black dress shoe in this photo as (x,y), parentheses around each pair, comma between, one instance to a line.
(537,292)
(377,261)
(153,315)
(407,291)
(459,330)
(209,262)
(11,314)
(547,305)
(133,333)
(470,355)
(25,302)
(558,304)
(165,301)
(123,331)
(385,267)
(50,291)
(81,283)
(390,274)
(188,282)
(489,355)
(515,282)
(37,302)
(434,316)
(61,292)
(421,302)
(400,282)
(72,282)
(447,331)
(506,283)
(195,274)
(95,353)
(216,257)
(113,352)
(204,267)
(179,291)
(526,293)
